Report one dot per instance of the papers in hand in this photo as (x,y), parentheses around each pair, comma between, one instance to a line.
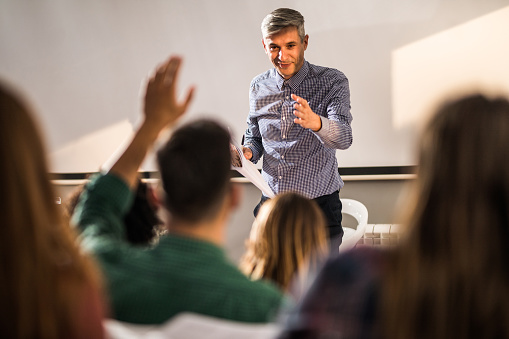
(248,170)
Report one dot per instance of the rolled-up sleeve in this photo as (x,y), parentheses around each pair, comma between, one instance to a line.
(336,131)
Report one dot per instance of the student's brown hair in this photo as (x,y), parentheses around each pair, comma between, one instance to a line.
(449,278)
(43,275)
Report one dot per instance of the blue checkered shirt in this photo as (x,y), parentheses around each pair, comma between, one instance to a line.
(295,158)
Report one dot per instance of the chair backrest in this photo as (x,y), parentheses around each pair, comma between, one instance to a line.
(352,235)
(192,326)
(121,330)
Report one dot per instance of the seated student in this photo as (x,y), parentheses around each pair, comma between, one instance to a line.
(449,277)
(287,241)
(48,288)
(187,271)
(142,225)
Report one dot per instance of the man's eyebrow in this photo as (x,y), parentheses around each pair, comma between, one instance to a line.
(272,44)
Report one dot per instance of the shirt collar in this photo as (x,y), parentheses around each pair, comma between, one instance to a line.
(295,81)
(197,246)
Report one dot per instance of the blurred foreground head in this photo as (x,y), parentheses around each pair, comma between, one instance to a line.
(463,173)
(450,275)
(43,276)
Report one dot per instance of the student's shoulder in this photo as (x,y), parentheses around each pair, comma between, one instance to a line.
(359,263)
(265,297)
(267,288)
(258,287)
(258,291)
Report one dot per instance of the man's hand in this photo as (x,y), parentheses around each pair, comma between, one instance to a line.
(161,106)
(235,155)
(305,116)
(248,154)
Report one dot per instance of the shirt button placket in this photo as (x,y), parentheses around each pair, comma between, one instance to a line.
(286,111)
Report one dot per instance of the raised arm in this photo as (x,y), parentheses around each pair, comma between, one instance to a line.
(106,199)
(161,109)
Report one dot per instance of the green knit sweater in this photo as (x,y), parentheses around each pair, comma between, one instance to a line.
(149,286)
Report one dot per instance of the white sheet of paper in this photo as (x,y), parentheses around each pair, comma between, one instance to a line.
(250,172)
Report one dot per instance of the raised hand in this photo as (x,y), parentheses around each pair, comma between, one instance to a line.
(161,110)
(248,154)
(161,105)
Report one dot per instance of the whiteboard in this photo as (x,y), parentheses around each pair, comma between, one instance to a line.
(82,64)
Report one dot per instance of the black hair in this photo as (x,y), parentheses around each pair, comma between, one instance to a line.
(195,170)
(141,220)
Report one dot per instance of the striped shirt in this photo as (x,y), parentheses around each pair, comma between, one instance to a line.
(295,158)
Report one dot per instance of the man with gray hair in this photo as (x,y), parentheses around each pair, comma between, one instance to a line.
(299,115)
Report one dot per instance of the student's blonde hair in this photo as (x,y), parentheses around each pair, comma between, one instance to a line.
(42,273)
(288,234)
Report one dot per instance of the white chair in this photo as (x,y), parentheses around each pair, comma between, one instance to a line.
(351,235)
(121,330)
(191,326)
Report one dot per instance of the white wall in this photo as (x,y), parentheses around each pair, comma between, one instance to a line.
(82,62)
